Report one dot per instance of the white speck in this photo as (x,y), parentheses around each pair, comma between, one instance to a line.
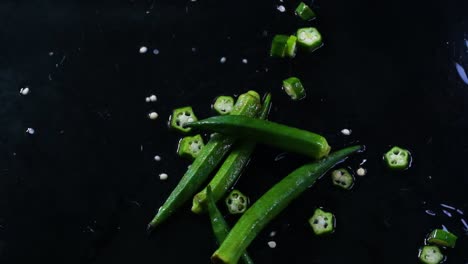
(281,156)
(147,99)
(272,233)
(447,213)
(444,228)
(265,33)
(464,224)
(281,8)
(194,49)
(163,176)
(466,43)
(346,132)
(51,53)
(431,213)
(143,49)
(361,171)
(24,91)
(147,12)
(266,69)
(193,0)
(272,244)
(245,61)
(222,60)
(157,158)
(460,211)
(141,147)
(30,131)
(155,51)
(153,115)
(363,161)
(212,135)
(153,98)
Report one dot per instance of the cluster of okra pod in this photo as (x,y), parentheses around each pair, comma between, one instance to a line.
(240,125)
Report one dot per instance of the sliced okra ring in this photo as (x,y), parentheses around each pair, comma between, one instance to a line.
(442,238)
(293,87)
(182,116)
(398,158)
(309,38)
(431,255)
(342,178)
(322,222)
(279,46)
(304,12)
(190,147)
(237,202)
(223,105)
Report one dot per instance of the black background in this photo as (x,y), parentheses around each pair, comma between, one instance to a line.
(84,186)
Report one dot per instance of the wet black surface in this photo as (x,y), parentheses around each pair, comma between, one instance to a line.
(84,186)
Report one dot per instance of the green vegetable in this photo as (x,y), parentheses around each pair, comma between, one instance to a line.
(237,202)
(279,46)
(398,158)
(431,255)
(342,178)
(442,238)
(190,147)
(278,135)
(219,225)
(224,105)
(303,11)
(293,87)
(322,222)
(309,38)
(180,117)
(207,160)
(272,203)
(291,46)
(232,167)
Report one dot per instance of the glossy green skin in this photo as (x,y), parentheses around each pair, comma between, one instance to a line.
(305,12)
(208,159)
(291,46)
(270,133)
(279,46)
(442,238)
(219,225)
(231,169)
(272,203)
(294,88)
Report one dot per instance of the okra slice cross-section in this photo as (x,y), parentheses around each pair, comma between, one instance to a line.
(182,116)
(342,178)
(190,147)
(223,105)
(309,38)
(431,255)
(237,202)
(294,88)
(322,222)
(398,158)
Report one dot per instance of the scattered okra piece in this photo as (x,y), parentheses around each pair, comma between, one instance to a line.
(223,105)
(398,158)
(442,238)
(293,87)
(342,178)
(237,202)
(291,46)
(322,222)
(279,46)
(182,116)
(431,255)
(190,147)
(309,38)
(305,12)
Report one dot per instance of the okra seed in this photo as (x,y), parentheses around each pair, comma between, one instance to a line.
(222,60)
(147,99)
(153,115)
(143,49)
(153,98)
(272,244)
(361,171)
(163,176)
(157,158)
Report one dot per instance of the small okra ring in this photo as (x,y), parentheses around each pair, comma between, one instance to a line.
(342,178)
(190,147)
(237,202)
(182,116)
(322,222)
(294,88)
(398,158)
(304,12)
(223,105)
(309,38)
(431,255)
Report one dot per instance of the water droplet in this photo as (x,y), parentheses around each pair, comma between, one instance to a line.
(461,72)
(155,51)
